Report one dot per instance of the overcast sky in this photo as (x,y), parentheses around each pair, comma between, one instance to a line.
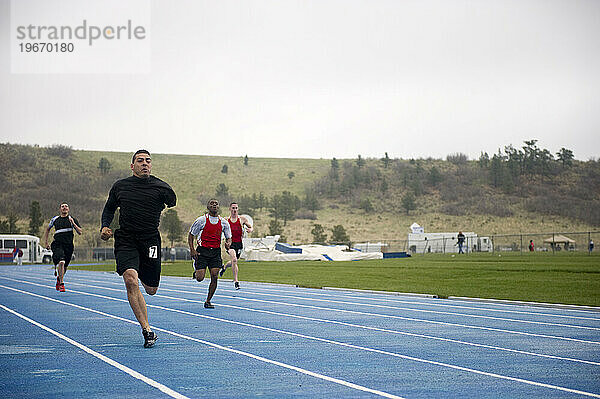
(329,78)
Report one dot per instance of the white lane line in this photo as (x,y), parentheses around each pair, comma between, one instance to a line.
(436,303)
(447,365)
(423,310)
(354,312)
(430,311)
(411,309)
(395,332)
(375,329)
(363,327)
(393,300)
(100,356)
(391,317)
(247,354)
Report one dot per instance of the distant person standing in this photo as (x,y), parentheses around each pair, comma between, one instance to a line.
(62,245)
(237,224)
(531,248)
(591,246)
(140,198)
(204,240)
(460,242)
(17,254)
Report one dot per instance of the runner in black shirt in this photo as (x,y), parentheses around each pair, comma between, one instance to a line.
(141,198)
(62,245)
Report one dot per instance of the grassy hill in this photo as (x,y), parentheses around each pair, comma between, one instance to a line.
(462,200)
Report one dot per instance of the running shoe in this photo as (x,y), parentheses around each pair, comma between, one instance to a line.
(209,305)
(149,338)
(57,284)
(237,285)
(61,287)
(222,271)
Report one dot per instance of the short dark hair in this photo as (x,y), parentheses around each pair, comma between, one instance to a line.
(210,200)
(233,203)
(139,152)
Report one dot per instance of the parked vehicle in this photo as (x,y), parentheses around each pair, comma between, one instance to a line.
(33,252)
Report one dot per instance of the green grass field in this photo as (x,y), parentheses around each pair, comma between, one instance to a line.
(554,278)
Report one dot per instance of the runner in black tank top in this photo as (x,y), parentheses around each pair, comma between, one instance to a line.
(62,245)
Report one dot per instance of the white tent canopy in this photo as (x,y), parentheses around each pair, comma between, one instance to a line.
(559,239)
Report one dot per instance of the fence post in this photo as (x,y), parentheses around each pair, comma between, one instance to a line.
(553,244)
(521,246)
(588,243)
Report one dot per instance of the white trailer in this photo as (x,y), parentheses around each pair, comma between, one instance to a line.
(419,243)
(30,245)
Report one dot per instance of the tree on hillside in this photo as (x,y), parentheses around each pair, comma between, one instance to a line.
(275,228)
(366,205)
(172,225)
(247,204)
(408,202)
(496,170)
(565,157)
(246,160)
(262,201)
(60,151)
(531,155)
(9,226)
(222,195)
(339,235)
(222,191)
(435,176)
(386,160)
(384,186)
(318,233)
(224,169)
(335,169)
(284,206)
(104,165)
(35,218)
(545,163)
(360,162)
(515,162)
(484,160)
(311,200)
(457,158)
(291,175)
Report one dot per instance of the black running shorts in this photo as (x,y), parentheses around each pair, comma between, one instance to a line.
(208,257)
(60,252)
(141,253)
(238,246)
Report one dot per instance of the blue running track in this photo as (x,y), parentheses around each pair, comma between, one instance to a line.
(277,341)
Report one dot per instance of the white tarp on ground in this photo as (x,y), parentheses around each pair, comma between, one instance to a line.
(261,251)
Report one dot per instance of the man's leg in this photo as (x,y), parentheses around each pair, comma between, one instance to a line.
(135,298)
(234,265)
(61,271)
(149,290)
(214,277)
